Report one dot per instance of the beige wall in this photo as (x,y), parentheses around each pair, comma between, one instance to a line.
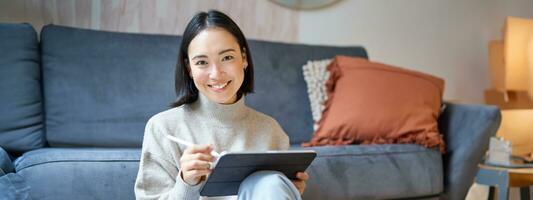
(447,38)
(257,19)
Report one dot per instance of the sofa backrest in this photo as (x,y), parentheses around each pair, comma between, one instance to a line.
(280,88)
(100,87)
(21,111)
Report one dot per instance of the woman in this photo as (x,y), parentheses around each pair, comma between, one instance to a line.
(213,75)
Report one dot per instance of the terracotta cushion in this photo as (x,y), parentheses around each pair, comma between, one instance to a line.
(374,103)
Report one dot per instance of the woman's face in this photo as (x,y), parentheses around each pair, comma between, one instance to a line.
(216,64)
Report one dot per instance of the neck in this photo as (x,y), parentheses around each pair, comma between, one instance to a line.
(223,112)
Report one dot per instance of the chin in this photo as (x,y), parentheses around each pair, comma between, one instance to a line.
(221,100)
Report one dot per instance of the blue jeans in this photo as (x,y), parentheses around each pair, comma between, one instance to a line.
(263,185)
(13,186)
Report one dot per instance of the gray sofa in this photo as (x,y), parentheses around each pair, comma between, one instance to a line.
(73,106)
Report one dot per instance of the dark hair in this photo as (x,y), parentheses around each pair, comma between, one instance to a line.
(186,91)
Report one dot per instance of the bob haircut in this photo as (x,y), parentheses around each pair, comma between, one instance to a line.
(186,91)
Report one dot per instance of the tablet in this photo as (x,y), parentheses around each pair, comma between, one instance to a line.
(232,168)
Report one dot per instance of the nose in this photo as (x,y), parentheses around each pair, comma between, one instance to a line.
(216,71)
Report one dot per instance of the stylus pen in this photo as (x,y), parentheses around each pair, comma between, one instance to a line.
(186,143)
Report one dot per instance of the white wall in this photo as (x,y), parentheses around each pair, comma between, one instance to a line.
(446,38)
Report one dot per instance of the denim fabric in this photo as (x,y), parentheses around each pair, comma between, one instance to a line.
(374,172)
(21,112)
(56,173)
(268,185)
(101,87)
(280,89)
(13,187)
(5,163)
(466,130)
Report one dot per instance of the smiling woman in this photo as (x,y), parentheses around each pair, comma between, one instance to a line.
(213,50)
(213,76)
(217,65)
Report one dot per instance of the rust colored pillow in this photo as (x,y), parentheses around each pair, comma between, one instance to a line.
(374,103)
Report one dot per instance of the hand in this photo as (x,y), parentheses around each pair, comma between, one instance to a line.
(196,163)
(300,183)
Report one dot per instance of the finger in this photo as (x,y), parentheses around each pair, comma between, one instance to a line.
(197,156)
(198,149)
(196,161)
(197,173)
(302,176)
(203,156)
(300,185)
(196,165)
(193,165)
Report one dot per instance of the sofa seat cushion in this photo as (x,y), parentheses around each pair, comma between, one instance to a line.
(374,172)
(81,173)
(21,118)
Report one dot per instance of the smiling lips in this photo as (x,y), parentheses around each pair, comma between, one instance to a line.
(219,87)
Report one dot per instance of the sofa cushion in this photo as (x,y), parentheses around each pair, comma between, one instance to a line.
(21,118)
(374,172)
(80,173)
(315,75)
(374,103)
(280,89)
(101,87)
(5,163)
(338,172)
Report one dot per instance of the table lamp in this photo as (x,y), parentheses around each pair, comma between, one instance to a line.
(511,66)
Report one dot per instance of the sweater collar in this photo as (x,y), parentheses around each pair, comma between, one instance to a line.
(222,112)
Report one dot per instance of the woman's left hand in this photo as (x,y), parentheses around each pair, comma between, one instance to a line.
(300,183)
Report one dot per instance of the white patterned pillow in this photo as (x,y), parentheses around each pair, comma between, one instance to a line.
(315,75)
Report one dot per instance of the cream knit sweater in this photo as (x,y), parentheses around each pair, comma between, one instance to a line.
(231,128)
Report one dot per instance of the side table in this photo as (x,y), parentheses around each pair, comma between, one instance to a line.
(505,177)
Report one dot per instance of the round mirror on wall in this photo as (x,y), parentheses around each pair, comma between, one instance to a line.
(305,4)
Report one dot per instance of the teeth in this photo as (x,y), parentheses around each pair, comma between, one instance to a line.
(219,86)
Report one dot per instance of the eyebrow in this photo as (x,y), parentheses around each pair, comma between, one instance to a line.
(219,53)
(224,51)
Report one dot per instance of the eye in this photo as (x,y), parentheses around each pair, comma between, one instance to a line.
(228,57)
(201,62)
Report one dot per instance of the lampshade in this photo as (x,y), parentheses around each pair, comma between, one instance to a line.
(516,126)
(530,65)
(497,67)
(518,32)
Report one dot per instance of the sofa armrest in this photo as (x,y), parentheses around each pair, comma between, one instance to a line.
(466,130)
(6,166)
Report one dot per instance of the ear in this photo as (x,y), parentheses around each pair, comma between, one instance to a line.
(244,60)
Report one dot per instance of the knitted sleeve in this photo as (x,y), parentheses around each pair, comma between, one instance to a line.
(158,175)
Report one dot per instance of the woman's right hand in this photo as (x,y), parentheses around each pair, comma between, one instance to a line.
(196,163)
